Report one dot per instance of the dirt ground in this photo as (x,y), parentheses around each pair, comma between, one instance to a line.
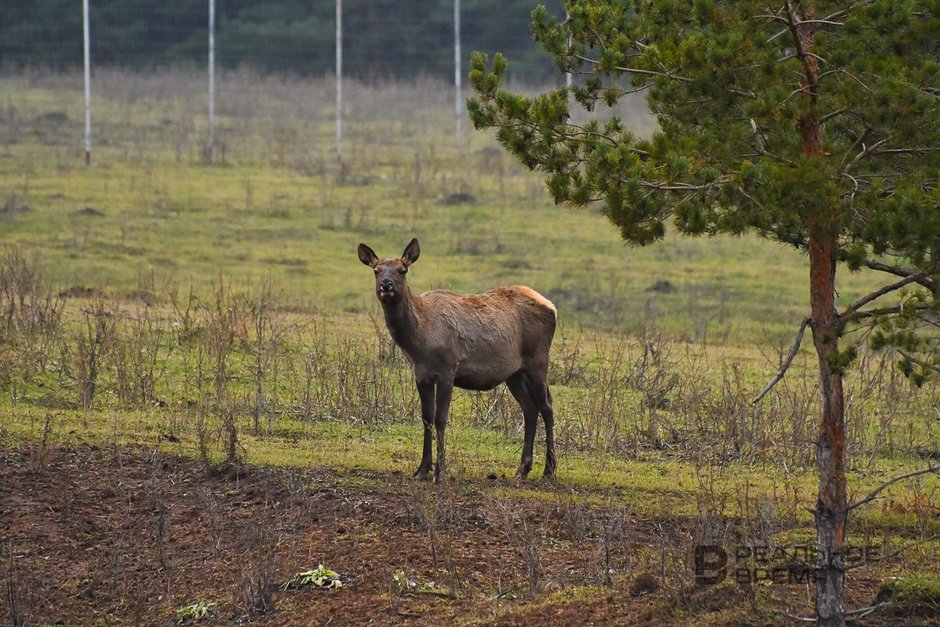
(108,535)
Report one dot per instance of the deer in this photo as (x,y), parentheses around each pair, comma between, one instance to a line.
(473,342)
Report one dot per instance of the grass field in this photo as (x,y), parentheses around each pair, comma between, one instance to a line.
(214,317)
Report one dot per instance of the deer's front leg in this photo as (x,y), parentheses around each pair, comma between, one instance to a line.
(426,393)
(445,389)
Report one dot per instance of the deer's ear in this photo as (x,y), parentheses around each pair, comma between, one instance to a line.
(367,256)
(412,250)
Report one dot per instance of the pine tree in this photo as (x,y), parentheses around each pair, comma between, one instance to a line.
(812,123)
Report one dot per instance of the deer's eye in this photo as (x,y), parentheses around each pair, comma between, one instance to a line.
(375,271)
(403,271)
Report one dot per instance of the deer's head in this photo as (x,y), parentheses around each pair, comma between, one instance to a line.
(390,272)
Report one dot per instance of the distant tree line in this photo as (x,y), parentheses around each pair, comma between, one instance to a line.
(383,39)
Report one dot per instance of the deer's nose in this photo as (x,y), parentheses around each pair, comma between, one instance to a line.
(385,285)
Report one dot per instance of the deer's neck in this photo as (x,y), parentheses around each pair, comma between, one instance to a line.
(402,321)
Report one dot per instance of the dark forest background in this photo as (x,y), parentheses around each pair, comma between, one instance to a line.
(383,39)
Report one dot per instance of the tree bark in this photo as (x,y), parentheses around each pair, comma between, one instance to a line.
(831,505)
(830,447)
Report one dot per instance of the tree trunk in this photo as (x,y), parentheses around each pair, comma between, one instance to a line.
(824,321)
(830,447)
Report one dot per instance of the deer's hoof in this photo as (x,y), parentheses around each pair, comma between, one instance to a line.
(422,474)
(522,474)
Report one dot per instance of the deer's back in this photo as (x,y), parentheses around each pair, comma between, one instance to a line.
(495,331)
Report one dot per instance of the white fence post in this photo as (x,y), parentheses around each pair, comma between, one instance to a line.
(339,78)
(87,45)
(210,144)
(458,78)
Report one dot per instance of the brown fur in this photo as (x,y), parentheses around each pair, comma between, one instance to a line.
(472,341)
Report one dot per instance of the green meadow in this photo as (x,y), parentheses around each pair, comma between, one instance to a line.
(216,309)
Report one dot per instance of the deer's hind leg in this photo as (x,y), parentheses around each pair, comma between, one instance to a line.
(530,413)
(445,389)
(537,385)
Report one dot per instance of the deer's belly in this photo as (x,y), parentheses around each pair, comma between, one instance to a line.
(485,375)
(479,384)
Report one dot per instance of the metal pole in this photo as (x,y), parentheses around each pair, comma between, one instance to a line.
(458,104)
(210,144)
(87,34)
(339,78)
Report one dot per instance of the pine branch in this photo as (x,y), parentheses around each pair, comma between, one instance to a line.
(778,34)
(575,131)
(887,289)
(770,16)
(751,198)
(904,151)
(786,362)
(635,70)
(851,75)
(833,114)
(803,89)
(855,187)
(809,55)
(919,362)
(902,272)
(664,74)
(683,187)
(838,14)
(829,20)
(866,150)
(823,22)
(860,141)
(873,313)
(761,145)
(856,78)
(874,493)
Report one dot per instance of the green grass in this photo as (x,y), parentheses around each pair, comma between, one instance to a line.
(278,208)
(651,485)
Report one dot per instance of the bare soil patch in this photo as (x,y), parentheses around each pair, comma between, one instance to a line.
(94,535)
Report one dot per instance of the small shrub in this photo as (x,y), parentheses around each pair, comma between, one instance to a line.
(194,612)
(93,342)
(319,577)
